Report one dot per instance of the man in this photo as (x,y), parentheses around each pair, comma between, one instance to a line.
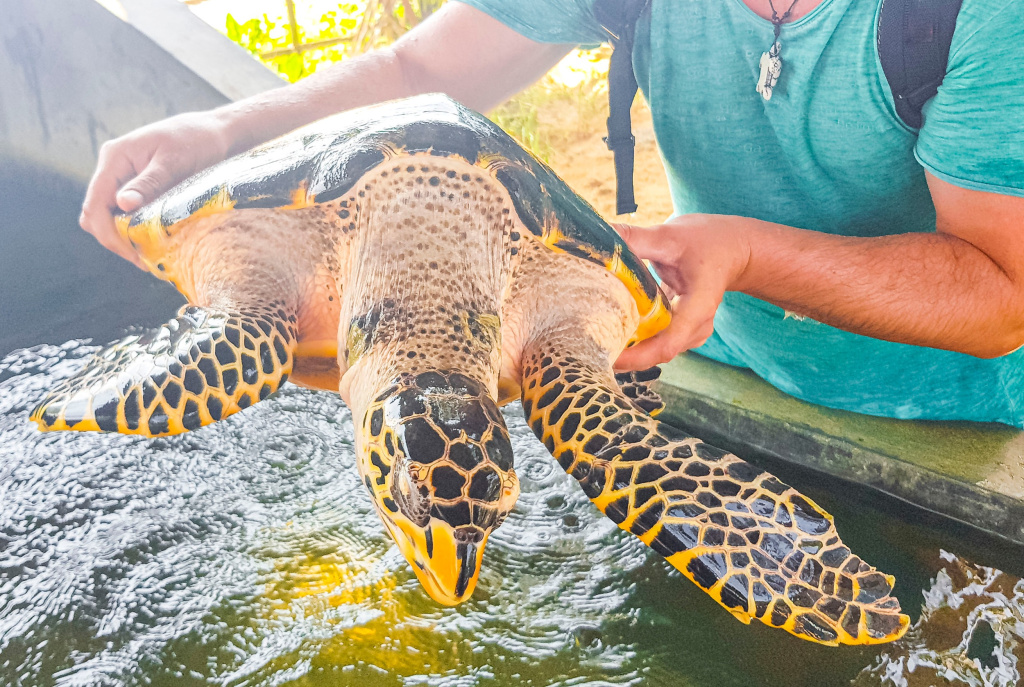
(851,262)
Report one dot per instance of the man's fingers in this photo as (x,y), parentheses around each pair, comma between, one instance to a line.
(130,200)
(657,350)
(644,355)
(663,346)
(111,171)
(97,218)
(97,209)
(659,249)
(701,335)
(693,322)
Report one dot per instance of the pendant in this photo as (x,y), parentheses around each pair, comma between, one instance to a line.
(771,67)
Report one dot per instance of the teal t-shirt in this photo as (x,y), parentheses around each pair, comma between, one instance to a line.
(826,153)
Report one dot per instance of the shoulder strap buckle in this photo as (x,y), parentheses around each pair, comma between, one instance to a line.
(619,19)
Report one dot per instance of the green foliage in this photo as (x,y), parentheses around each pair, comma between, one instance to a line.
(356,28)
(520,118)
(552,113)
(384,21)
(262,36)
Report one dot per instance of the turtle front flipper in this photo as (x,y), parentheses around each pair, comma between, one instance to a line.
(756,545)
(198,368)
(638,386)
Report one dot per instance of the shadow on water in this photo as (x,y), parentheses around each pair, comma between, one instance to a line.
(56,281)
(247,553)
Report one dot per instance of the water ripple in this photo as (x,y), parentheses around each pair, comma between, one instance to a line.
(248,553)
(971,632)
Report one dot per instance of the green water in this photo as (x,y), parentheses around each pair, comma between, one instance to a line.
(247,553)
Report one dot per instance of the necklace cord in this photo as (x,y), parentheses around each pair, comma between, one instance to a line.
(776,20)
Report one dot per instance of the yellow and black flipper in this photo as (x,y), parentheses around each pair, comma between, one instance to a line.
(756,545)
(198,368)
(638,387)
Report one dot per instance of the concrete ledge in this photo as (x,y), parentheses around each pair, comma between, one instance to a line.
(965,471)
(229,69)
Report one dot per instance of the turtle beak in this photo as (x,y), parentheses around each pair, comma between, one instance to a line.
(446,560)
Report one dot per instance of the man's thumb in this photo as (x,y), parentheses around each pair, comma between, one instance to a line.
(152,182)
(641,240)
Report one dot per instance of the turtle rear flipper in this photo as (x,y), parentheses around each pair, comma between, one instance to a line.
(756,545)
(198,368)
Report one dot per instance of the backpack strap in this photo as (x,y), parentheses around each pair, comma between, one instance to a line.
(913,45)
(619,17)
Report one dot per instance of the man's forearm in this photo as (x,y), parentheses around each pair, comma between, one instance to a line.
(363,80)
(459,51)
(927,289)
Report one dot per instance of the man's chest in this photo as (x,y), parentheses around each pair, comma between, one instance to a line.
(828,138)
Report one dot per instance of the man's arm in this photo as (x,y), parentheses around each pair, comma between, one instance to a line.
(960,288)
(459,51)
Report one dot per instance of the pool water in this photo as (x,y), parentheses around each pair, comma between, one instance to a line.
(247,553)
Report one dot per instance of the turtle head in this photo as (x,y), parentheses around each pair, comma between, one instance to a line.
(435,453)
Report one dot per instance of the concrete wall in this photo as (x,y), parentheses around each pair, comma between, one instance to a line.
(966,471)
(75,73)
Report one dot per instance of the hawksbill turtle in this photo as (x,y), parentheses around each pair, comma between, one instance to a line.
(414,258)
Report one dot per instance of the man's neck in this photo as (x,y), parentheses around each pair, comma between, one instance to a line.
(763,8)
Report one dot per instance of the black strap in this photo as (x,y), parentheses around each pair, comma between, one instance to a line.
(619,18)
(913,45)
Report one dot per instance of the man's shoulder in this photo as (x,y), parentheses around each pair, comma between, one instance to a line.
(983,24)
(546,21)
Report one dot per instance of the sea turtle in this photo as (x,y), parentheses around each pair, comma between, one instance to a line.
(414,258)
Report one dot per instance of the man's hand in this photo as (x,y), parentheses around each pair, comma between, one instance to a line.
(699,258)
(959,288)
(134,169)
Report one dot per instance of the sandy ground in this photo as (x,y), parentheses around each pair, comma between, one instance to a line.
(581,158)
